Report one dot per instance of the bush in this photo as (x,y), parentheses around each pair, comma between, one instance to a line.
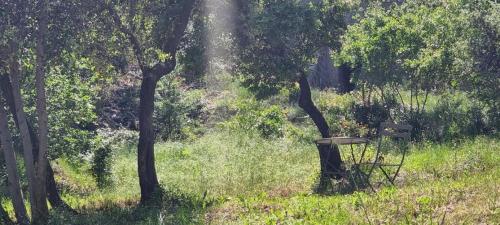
(338,112)
(371,116)
(101,165)
(177,112)
(108,143)
(121,138)
(268,121)
(456,116)
(72,117)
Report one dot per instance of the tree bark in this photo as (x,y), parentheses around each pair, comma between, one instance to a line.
(52,192)
(145,157)
(12,173)
(40,209)
(23,128)
(330,159)
(148,179)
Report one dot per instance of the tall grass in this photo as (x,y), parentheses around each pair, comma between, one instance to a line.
(225,163)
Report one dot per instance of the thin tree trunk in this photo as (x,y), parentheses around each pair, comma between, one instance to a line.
(12,173)
(52,192)
(40,209)
(330,159)
(146,158)
(23,128)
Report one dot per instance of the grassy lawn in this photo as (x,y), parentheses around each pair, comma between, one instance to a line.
(240,178)
(441,184)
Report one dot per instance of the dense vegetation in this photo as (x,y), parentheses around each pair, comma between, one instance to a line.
(207,111)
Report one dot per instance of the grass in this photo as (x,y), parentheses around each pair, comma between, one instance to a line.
(238,177)
(227,164)
(441,184)
(241,178)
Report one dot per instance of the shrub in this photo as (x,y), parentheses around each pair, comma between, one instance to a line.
(268,121)
(101,165)
(338,112)
(177,111)
(455,116)
(371,116)
(120,138)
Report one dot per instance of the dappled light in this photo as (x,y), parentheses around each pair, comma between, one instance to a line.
(249,112)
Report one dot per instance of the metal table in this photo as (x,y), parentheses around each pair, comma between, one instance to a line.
(355,167)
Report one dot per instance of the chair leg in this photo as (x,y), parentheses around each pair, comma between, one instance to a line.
(386,175)
(363,177)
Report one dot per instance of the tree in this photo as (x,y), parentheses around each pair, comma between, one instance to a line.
(483,45)
(16,28)
(155,51)
(52,192)
(12,173)
(40,209)
(276,46)
(24,130)
(411,47)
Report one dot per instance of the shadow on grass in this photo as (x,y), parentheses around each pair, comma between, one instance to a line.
(347,184)
(168,209)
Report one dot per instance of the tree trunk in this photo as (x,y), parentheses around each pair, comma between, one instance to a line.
(52,192)
(145,156)
(145,149)
(330,159)
(23,128)
(12,173)
(40,209)
(53,196)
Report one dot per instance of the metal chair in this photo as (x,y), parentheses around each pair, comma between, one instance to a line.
(399,135)
(363,166)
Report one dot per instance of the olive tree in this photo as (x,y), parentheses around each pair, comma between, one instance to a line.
(154,30)
(277,42)
(409,47)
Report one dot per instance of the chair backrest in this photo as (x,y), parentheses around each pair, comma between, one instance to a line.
(398,131)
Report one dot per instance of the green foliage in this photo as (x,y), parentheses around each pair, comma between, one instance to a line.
(72,117)
(192,56)
(71,103)
(101,165)
(338,111)
(177,111)
(456,116)
(483,45)
(371,115)
(410,45)
(282,41)
(269,121)
(426,48)
(118,138)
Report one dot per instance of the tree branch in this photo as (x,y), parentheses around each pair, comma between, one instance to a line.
(171,45)
(306,103)
(400,96)
(136,45)
(179,26)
